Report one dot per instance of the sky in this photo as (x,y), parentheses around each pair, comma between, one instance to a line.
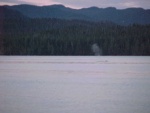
(77,4)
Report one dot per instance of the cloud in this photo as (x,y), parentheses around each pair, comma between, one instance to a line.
(85,3)
(13,2)
(32,2)
(133,3)
(42,2)
(106,3)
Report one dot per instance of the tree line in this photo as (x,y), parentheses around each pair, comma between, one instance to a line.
(24,36)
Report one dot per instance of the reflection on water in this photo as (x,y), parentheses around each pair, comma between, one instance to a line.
(99,84)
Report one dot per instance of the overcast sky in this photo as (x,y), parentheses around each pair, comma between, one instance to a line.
(120,4)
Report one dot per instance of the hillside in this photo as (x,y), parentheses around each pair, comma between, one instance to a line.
(122,17)
(22,35)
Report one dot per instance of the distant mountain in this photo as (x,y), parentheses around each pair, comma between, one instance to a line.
(53,11)
(7,13)
(123,17)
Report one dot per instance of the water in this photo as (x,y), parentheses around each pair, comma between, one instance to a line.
(92,84)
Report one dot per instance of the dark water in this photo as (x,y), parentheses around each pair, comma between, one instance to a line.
(100,84)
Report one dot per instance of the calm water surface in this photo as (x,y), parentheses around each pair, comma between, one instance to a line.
(92,84)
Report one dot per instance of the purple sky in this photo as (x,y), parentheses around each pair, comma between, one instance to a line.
(120,4)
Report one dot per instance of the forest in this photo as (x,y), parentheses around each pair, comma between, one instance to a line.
(51,36)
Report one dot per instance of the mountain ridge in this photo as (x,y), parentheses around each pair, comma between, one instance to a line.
(119,16)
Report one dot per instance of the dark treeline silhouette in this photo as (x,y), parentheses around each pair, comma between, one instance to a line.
(24,36)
